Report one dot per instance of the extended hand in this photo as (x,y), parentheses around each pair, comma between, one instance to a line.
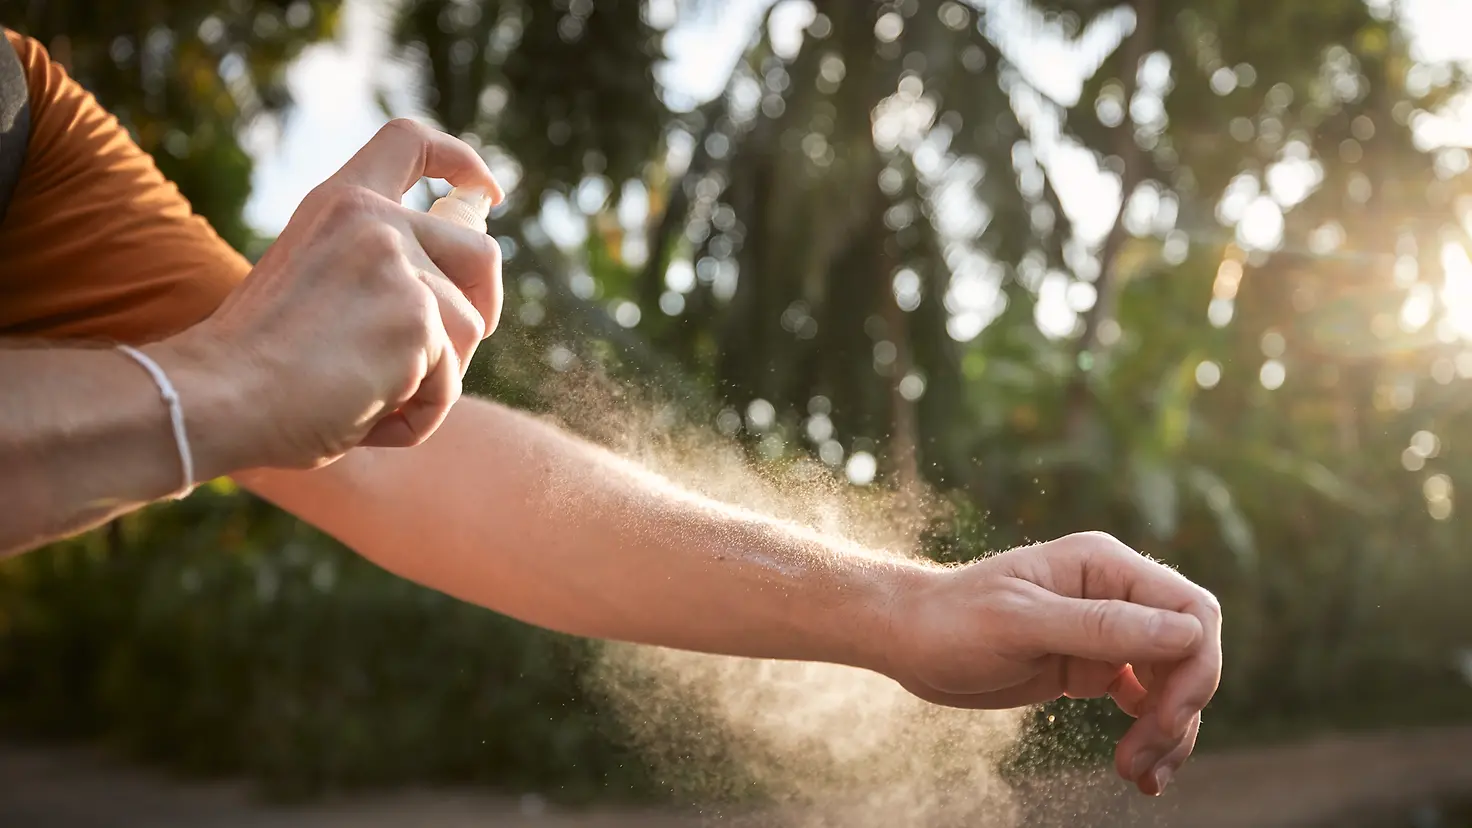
(357,325)
(1083,616)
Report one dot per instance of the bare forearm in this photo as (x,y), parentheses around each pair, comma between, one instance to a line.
(502,510)
(85,436)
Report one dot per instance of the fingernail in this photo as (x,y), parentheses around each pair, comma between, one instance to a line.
(1175,630)
(1142,763)
(1162,778)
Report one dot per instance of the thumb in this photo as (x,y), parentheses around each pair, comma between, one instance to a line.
(1118,632)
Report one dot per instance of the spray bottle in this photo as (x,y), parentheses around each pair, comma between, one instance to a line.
(465,206)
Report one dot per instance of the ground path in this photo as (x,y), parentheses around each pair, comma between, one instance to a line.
(1362,781)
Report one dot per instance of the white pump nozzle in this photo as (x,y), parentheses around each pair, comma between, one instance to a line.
(466,206)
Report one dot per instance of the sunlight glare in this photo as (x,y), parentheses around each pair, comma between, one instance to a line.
(1456,291)
(1416,312)
(1261,227)
(1293,179)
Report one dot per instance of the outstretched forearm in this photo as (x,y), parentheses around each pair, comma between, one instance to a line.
(86,436)
(505,511)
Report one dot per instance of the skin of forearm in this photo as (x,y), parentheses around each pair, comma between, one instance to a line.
(85,436)
(503,510)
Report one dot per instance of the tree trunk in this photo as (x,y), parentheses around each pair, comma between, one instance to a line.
(1132,52)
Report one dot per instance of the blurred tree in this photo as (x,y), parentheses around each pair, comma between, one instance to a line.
(567,87)
(853,246)
(187,79)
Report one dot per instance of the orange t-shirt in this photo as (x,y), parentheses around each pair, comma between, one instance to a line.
(96,243)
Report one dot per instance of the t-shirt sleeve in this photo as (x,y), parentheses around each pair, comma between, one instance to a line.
(97,244)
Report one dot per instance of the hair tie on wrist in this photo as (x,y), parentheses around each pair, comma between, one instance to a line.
(176,416)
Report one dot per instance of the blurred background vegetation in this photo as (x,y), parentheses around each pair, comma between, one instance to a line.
(892,243)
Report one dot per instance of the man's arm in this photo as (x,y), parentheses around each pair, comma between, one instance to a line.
(352,330)
(85,436)
(503,510)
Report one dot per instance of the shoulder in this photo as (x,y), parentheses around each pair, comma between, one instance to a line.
(97,243)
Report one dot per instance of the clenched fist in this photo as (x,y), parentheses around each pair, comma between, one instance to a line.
(357,325)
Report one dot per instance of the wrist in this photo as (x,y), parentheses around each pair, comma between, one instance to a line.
(900,591)
(218,395)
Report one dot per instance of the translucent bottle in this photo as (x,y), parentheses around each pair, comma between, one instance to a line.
(466,206)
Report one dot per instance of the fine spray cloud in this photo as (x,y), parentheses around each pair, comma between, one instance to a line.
(780,744)
(786,744)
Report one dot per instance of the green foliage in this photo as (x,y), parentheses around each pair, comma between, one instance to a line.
(566,87)
(241,641)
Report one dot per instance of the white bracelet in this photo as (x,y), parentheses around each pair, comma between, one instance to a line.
(176,415)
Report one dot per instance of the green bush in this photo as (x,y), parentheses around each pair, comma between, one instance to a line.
(273,651)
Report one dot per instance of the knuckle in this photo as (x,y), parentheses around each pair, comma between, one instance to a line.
(462,323)
(382,246)
(475,323)
(1100,543)
(404,126)
(490,251)
(330,191)
(1011,600)
(1210,604)
(318,201)
(338,200)
(481,260)
(401,388)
